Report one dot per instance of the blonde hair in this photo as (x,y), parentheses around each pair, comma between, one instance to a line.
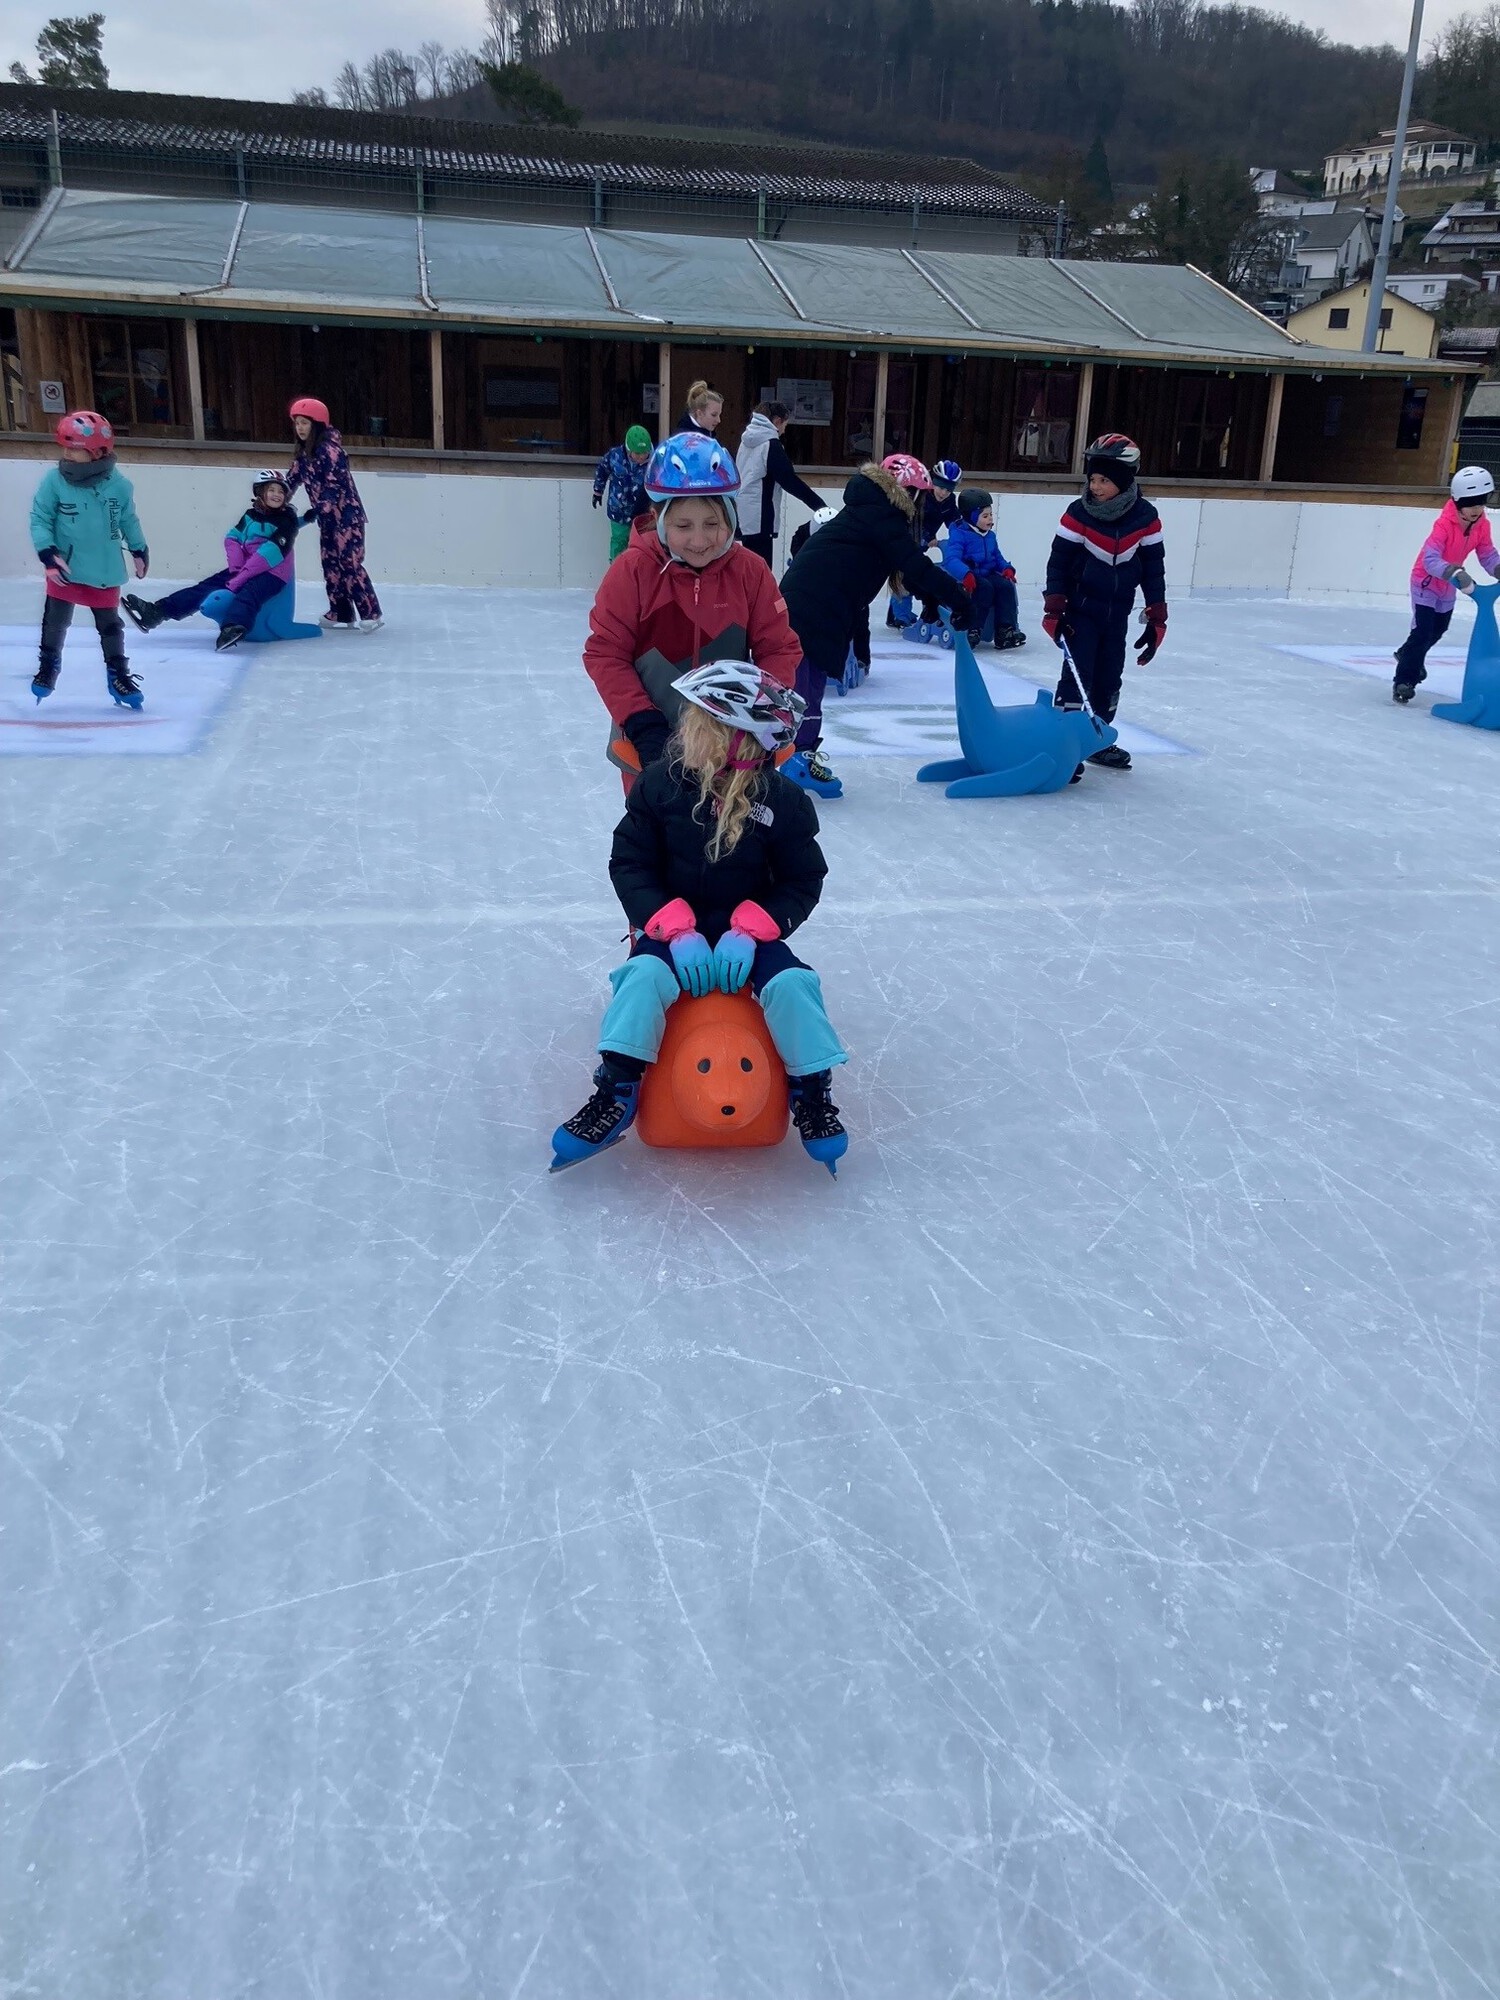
(699,396)
(702,746)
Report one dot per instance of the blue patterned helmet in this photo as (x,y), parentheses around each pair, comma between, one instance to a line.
(690,463)
(948,472)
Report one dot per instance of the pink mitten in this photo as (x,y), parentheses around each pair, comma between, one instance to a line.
(755,923)
(672,920)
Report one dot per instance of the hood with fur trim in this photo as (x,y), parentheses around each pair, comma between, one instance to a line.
(878,476)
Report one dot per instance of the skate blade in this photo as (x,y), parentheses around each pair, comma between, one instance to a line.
(560,1165)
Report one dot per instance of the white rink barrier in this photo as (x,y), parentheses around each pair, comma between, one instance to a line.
(541,532)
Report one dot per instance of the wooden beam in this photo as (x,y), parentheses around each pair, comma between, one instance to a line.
(1082,414)
(439,415)
(1272,431)
(882,384)
(664,390)
(194,378)
(1449,462)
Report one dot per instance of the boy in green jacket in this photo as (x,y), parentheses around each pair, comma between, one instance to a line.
(83,510)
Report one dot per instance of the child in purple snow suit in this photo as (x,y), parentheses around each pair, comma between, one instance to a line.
(322,470)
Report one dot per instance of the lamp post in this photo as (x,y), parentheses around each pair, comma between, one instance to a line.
(1392,186)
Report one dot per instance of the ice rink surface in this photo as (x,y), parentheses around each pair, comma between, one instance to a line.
(1056,1561)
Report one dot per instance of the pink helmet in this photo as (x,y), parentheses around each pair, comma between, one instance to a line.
(309,406)
(88,428)
(908,472)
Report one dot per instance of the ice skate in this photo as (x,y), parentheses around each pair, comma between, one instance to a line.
(816,1117)
(44,680)
(229,635)
(1401,691)
(331,623)
(603,1121)
(1112,759)
(813,773)
(369,625)
(144,615)
(123,684)
(1008,638)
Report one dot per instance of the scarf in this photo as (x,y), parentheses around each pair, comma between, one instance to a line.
(89,474)
(1110,510)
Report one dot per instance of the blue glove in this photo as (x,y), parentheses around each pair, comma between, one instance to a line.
(693,963)
(734,955)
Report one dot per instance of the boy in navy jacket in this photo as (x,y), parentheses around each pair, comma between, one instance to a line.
(1108,545)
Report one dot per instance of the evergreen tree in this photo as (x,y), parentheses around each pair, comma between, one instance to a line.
(1096,173)
(70,54)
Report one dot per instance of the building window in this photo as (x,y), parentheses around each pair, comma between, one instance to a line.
(1205,414)
(1338,316)
(1046,403)
(1409,426)
(132,366)
(1385,319)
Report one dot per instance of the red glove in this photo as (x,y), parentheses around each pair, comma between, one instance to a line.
(971,583)
(1055,618)
(1154,618)
(1008,573)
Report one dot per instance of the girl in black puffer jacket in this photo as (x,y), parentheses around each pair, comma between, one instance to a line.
(716,863)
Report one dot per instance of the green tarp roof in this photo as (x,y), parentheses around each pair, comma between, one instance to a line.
(199,256)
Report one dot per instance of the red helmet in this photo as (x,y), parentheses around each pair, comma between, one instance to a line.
(907,471)
(309,406)
(86,428)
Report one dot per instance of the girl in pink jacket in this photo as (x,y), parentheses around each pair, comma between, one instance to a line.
(1438,574)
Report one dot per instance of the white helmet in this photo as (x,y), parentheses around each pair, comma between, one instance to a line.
(736,693)
(1471,483)
(823,516)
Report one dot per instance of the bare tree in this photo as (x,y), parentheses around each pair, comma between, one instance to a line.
(390,81)
(317,95)
(431,65)
(461,71)
(349,89)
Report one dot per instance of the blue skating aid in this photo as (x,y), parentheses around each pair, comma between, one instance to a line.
(1013,750)
(1478,703)
(902,611)
(276,618)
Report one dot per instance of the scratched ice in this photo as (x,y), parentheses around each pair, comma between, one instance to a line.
(1059,1559)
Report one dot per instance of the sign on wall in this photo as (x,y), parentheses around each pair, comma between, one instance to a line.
(809,402)
(54,398)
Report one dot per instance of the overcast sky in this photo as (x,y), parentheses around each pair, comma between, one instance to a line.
(235,50)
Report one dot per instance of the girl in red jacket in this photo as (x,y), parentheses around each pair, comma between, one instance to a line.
(670,602)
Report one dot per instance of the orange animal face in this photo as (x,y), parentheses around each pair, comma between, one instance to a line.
(721,1077)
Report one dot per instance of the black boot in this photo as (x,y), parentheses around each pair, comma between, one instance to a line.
(123,684)
(44,680)
(229,635)
(1402,691)
(144,615)
(1008,638)
(1113,759)
(816,1117)
(606,1118)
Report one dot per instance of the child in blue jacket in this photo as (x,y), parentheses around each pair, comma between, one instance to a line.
(973,555)
(623,470)
(257,567)
(84,510)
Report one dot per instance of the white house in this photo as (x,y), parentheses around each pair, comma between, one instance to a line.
(1327,252)
(1277,195)
(1429,150)
(1430,289)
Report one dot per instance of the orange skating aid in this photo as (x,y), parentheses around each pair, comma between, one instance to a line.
(718,1080)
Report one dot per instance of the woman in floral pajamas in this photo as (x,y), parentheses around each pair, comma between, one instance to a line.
(322,470)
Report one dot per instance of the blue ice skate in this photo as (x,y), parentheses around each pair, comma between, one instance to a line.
(1013,750)
(1478,703)
(807,769)
(602,1123)
(276,618)
(816,1118)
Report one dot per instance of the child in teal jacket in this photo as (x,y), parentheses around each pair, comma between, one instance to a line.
(83,511)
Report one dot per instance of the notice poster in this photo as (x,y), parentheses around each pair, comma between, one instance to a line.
(809,402)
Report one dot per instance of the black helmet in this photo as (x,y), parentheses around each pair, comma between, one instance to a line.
(972,502)
(1116,456)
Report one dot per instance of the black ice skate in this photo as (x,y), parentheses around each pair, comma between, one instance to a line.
(1008,638)
(1402,691)
(1113,759)
(123,684)
(44,680)
(816,1117)
(605,1119)
(144,615)
(229,635)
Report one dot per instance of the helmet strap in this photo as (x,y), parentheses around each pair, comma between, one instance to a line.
(735,761)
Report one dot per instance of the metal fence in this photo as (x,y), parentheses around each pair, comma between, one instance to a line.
(539,191)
